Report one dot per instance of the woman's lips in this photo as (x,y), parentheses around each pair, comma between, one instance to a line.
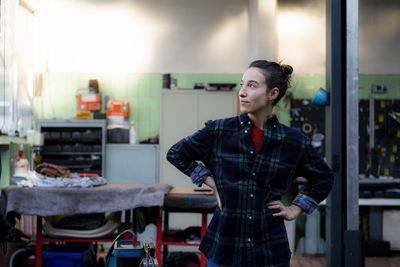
(243,102)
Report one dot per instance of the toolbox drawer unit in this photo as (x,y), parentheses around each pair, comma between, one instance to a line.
(76,144)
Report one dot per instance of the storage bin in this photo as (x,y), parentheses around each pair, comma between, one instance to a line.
(92,134)
(82,148)
(76,135)
(118,135)
(54,135)
(56,148)
(65,135)
(51,135)
(67,148)
(72,255)
(97,148)
(126,254)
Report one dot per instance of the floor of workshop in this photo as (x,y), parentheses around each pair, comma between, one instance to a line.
(308,261)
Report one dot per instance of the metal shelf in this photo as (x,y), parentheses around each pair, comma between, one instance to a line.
(80,125)
(72,153)
(371,181)
(180,244)
(72,123)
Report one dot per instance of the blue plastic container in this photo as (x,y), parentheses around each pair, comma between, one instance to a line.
(131,252)
(67,256)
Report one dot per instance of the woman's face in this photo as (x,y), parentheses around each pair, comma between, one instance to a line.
(253,93)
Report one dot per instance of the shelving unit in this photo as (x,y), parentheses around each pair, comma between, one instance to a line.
(184,200)
(76,144)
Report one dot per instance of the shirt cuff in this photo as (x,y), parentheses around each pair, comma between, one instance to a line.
(199,174)
(306,203)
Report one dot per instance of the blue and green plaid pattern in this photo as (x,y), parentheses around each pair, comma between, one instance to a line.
(244,232)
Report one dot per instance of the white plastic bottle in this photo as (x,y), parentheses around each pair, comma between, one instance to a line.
(133,136)
(21,165)
(20,127)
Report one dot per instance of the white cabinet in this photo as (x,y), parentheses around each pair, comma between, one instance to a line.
(127,163)
(183,112)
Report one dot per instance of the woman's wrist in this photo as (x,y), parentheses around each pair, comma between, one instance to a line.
(209,181)
(296,210)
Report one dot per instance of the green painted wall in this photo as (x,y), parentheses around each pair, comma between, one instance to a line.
(368,82)
(58,99)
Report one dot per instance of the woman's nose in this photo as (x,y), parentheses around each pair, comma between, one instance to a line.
(242,92)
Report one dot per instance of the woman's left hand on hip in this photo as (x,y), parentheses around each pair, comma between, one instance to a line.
(288,213)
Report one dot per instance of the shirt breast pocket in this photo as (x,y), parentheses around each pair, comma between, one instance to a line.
(227,166)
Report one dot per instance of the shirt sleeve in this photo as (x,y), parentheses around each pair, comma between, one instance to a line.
(319,177)
(185,154)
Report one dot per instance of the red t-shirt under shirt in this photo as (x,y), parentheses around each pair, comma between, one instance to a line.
(257,134)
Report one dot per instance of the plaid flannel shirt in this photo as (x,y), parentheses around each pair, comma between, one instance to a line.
(244,232)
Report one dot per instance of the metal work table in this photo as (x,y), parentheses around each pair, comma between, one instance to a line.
(181,199)
(43,201)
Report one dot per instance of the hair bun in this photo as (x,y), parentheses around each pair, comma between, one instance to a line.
(287,69)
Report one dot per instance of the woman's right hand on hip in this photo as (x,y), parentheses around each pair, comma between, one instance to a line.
(211,183)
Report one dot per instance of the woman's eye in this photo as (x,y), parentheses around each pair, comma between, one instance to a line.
(252,85)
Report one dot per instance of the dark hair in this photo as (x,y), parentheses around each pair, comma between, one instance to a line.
(276,75)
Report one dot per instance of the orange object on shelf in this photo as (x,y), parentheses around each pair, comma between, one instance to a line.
(118,108)
(89,102)
(88,175)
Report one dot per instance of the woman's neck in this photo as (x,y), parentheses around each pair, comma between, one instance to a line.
(260,118)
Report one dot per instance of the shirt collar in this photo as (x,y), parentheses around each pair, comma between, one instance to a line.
(246,121)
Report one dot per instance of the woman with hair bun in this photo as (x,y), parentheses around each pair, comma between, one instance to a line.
(250,161)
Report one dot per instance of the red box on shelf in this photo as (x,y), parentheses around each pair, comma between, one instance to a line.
(118,108)
(89,102)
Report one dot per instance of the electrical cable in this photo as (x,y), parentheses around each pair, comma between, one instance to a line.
(108,256)
(17,253)
(146,249)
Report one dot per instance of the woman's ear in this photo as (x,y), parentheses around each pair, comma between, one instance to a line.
(273,93)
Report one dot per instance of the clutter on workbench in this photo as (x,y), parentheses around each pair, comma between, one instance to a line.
(21,162)
(69,255)
(52,170)
(191,234)
(130,252)
(82,226)
(181,259)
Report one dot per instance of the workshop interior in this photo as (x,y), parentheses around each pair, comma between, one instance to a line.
(94,93)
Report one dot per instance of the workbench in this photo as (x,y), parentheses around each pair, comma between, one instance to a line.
(181,199)
(45,201)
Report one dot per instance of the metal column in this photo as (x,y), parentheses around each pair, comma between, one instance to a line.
(335,82)
(344,240)
(353,237)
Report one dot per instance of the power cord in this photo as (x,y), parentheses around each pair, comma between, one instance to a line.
(146,249)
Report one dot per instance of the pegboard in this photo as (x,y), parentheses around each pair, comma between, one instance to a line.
(309,120)
(385,156)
